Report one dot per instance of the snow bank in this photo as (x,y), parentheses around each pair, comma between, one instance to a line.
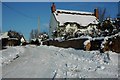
(54,62)
(10,54)
(73,63)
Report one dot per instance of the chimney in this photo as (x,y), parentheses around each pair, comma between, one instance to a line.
(96,13)
(53,8)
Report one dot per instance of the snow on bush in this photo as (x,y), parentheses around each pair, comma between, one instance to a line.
(60,39)
(87,45)
(86,42)
(103,43)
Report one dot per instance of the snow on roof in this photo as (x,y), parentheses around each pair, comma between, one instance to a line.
(82,18)
(4,35)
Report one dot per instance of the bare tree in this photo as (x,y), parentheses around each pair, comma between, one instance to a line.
(34,34)
(31,34)
(102,13)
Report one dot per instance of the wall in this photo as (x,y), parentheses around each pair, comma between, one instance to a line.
(53,25)
(77,44)
(95,44)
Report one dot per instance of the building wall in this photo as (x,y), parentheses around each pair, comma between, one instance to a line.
(53,25)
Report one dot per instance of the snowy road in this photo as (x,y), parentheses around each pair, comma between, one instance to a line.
(32,63)
(49,62)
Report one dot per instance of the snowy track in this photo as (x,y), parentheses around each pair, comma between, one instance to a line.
(49,62)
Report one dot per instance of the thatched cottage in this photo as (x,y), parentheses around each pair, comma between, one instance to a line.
(66,21)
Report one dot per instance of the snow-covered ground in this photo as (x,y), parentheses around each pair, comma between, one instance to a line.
(52,62)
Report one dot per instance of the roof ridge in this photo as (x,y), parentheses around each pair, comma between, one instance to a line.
(74,11)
